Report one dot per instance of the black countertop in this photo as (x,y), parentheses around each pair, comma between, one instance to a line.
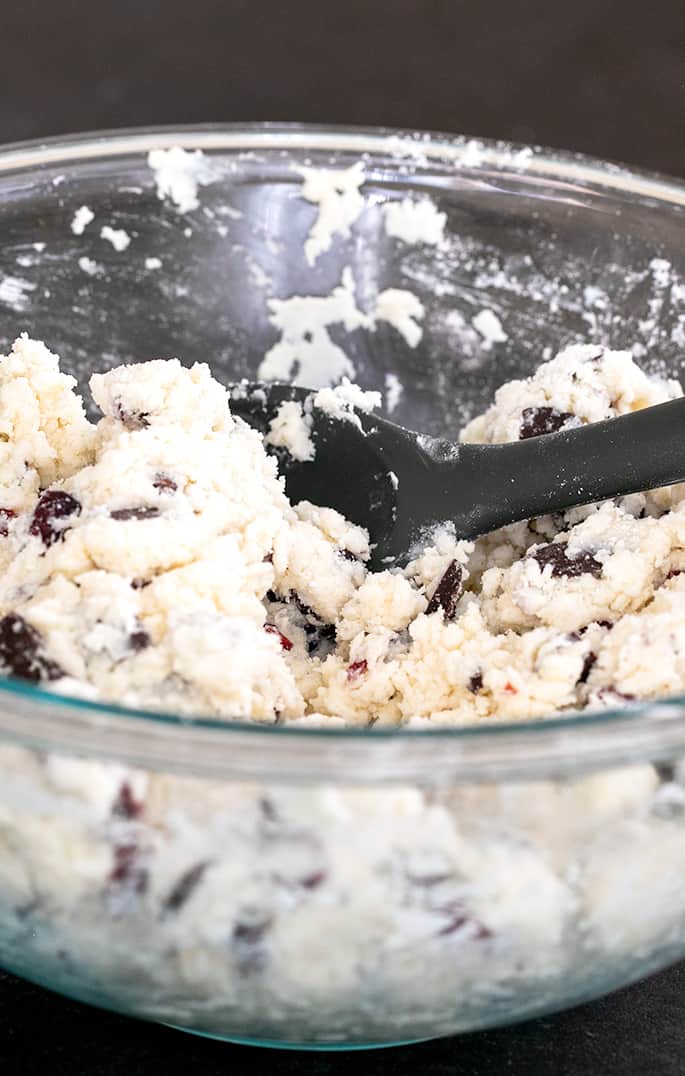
(605,77)
(639,1031)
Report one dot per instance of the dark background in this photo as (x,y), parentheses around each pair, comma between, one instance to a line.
(605,77)
(602,76)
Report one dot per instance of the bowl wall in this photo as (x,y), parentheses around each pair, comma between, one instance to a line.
(284,906)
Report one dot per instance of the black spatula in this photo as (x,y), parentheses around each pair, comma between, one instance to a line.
(400,484)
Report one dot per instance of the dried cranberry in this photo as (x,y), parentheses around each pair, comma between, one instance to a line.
(144,512)
(588,665)
(21,651)
(537,421)
(250,933)
(185,887)
(247,944)
(313,880)
(448,592)
(284,640)
(556,555)
(671,575)
(164,484)
(129,873)
(6,514)
(357,669)
(459,918)
(126,805)
(53,505)
(132,420)
(613,695)
(139,640)
(509,688)
(476,682)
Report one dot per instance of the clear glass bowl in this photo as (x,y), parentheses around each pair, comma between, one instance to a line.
(338,889)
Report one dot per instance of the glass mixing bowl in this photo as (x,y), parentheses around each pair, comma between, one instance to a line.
(319,888)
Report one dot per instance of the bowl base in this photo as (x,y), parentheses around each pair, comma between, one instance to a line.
(273,1044)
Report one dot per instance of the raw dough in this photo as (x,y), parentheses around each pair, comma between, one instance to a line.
(167,568)
(155,560)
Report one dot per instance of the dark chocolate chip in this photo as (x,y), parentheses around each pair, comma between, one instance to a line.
(448,592)
(144,512)
(184,887)
(22,653)
(537,421)
(665,771)
(132,420)
(476,682)
(588,664)
(555,554)
(348,555)
(139,640)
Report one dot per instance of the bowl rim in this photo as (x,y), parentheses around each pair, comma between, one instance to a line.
(37,718)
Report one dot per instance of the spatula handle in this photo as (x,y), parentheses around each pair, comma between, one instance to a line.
(640,451)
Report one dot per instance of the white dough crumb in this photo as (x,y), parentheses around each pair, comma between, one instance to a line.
(393,392)
(291,429)
(89,266)
(179,173)
(415,221)
(82,218)
(341,401)
(490,328)
(338,196)
(153,263)
(403,310)
(305,353)
(119,238)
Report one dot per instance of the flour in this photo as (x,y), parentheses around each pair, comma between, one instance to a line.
(15,292)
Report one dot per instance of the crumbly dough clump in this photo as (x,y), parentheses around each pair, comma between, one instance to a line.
(154,560)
